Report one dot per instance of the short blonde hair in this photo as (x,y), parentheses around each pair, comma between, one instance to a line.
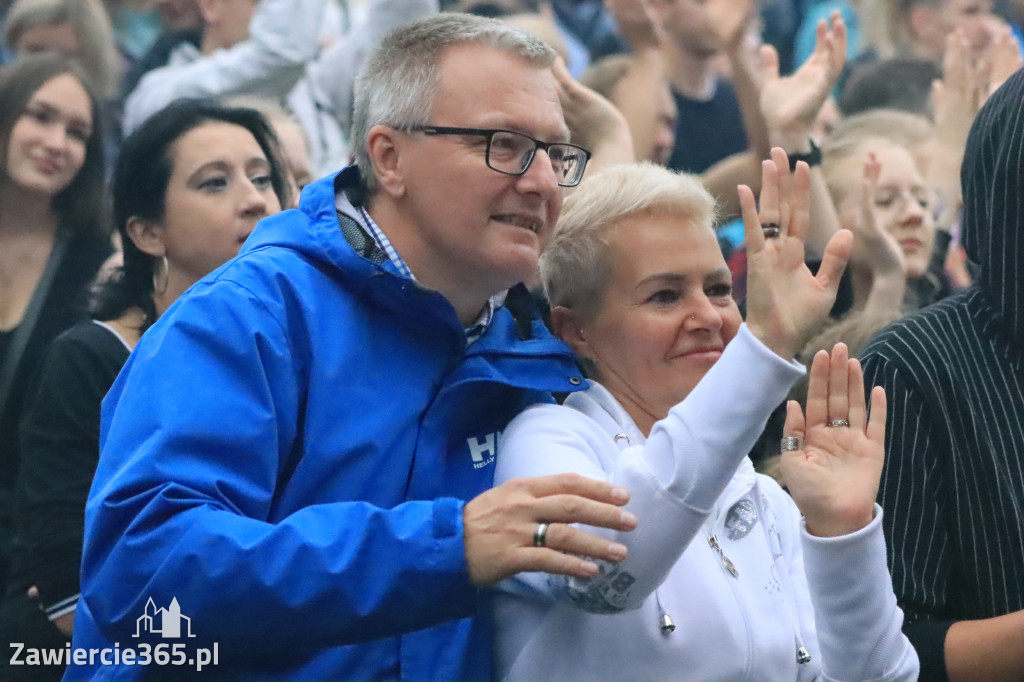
(575,265)
(898,127)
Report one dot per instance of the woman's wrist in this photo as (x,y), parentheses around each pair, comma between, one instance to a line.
(834,525)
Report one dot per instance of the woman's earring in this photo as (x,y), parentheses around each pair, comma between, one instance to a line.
(160,287)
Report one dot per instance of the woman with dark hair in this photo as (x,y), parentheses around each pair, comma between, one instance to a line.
(52,236)
(189,188)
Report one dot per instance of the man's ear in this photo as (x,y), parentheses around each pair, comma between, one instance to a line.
(568,327)
(147,236)
(383,148)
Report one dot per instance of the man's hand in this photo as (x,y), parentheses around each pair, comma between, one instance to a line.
(65,623)
(499,526)
(786,304)
(834,476)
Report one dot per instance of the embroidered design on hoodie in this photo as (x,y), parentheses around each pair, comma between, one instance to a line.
(740,520)
(774,585)
(605,593)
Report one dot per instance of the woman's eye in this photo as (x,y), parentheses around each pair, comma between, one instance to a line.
(718,290)
(79,134)
(664,297)
(40,116)
(262,182)
(213,184)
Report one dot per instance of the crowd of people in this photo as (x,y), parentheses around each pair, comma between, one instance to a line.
(512,339)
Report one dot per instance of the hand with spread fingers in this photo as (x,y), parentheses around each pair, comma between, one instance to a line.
(832,460)
(786,304)
(525,525)
(790,104)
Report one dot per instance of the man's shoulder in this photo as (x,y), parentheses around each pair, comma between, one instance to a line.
(931,330)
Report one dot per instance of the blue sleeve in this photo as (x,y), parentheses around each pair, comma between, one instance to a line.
(198,437)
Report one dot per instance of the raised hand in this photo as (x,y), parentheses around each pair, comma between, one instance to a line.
(1005,58)
(501,524)
(637,22)
(786,304)
(958,96)
(729,19)
(833,476)
(875,247)
(593,121)
(791,104)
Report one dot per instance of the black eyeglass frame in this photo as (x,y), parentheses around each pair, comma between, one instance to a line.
(489,133)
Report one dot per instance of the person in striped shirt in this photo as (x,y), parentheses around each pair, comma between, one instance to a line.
(953,484)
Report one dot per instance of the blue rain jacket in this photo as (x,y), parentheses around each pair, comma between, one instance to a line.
(286,454)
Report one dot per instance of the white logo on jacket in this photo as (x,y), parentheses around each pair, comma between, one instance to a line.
(483,450)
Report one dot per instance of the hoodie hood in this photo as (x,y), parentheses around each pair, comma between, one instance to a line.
(992,177)
(317,236)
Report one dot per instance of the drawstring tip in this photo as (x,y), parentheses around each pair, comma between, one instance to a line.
(802,657)
(667,626)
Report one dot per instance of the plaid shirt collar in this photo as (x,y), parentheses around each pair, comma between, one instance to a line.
(473,331)
(385,245)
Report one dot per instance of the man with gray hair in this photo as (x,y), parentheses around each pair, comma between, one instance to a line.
(298,457)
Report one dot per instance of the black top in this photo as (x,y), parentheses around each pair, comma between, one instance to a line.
(59,448)
(953,483)
(63,307)
(707,131)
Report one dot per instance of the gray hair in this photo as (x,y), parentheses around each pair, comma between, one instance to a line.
(91,24)
(575,265)
(398,85)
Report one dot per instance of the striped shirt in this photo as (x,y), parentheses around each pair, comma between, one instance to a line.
(953,483)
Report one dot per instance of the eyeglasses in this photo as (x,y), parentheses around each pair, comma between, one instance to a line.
(512,153)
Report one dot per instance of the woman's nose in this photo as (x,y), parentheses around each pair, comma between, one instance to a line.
(703,315)
(254,203)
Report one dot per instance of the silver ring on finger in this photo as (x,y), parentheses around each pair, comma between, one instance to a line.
(838,422)
(540,536)
(770,229)
(790,444)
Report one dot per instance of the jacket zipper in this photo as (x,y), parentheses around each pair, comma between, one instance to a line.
(726,562)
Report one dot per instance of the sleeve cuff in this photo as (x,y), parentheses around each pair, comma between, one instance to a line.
(63,607)
(874,528)
(757,346)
